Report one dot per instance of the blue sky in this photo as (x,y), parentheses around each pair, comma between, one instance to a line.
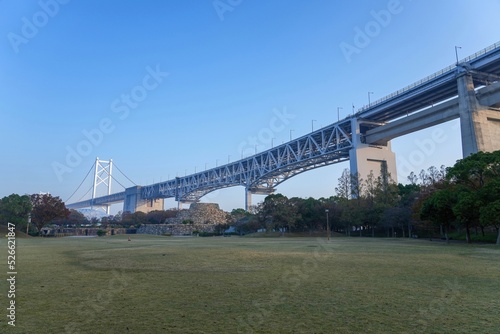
(205,79)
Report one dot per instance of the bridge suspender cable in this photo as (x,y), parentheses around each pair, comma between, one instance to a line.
(78,188)
(124,175)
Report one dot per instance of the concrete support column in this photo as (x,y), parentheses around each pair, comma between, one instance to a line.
(365,158)
(133,201)
(248,199)
(479,125)
(468,106)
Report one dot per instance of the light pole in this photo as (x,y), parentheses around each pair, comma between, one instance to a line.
(338,113)
(272,142)
(456,52)
(312,125)
(327,225)
(369,102)
(228,158)
(291,135)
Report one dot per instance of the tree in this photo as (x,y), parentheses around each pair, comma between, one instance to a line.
(159,216)
(475,170)
(412,178)
(344,188)
(133,219)
(408,196)
(278,211)
(75,218)
(386,189)
(15,209)
(478,183)
(238,214)
(438,208)
(47,208)
(490,215)
(370,188)
(466,209)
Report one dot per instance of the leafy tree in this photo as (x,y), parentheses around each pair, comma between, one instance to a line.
(75,218)
(309,211)
(238,214)
(159,216)
(466,209)
(490,215)
(475,170)
(408,196)
(438,208)
(133,219)
(396,218)
(15,209)
(278,211)
(47,208)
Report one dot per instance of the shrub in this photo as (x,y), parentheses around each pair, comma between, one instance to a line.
(206,234)
(101,233)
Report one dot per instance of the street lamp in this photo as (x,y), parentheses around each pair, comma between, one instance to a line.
(456,52)
(291,135)
(272,142)
(338,113)
(312,125)
(327,225)
(369,102)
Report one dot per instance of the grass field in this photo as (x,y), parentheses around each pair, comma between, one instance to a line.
(252,285)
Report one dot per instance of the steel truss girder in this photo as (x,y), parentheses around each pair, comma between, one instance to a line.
(265,170)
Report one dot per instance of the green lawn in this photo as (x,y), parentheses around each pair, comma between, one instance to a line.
(252,285)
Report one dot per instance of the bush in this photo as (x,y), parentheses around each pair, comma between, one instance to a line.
(101,233)
(206,234)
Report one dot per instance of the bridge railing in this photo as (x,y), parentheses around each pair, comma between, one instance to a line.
(429,78)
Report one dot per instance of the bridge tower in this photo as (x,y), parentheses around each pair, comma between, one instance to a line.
(479,125)
(365,158)
(102,175)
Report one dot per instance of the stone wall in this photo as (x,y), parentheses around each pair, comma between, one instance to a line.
(174,229)
(204,218)
(200,213)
